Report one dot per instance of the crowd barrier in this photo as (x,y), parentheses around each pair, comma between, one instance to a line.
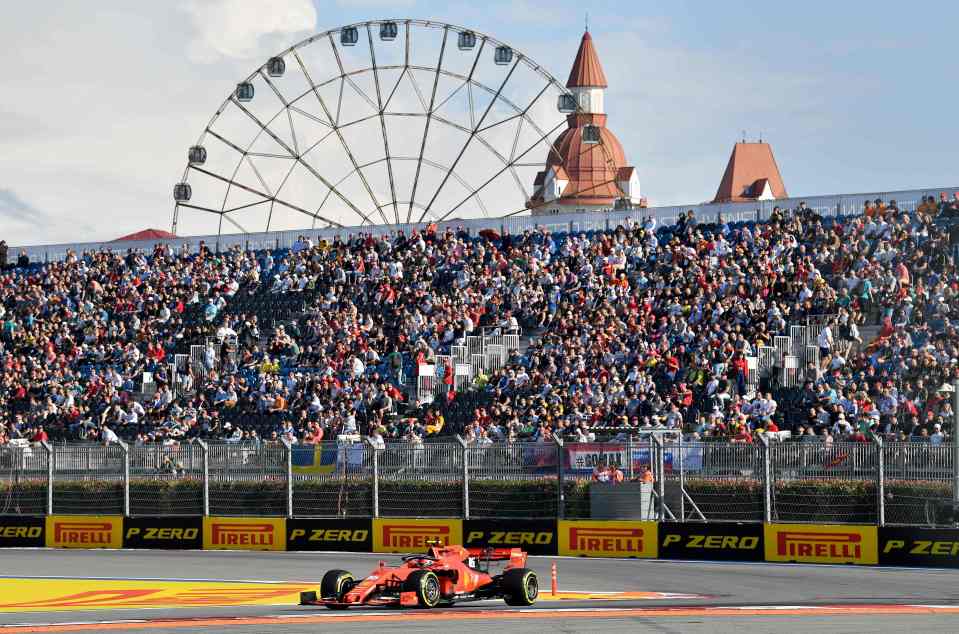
(747,542)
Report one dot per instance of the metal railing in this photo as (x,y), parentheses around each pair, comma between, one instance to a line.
(827,205)
(806,480)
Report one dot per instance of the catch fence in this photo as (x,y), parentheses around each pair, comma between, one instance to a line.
(807,480)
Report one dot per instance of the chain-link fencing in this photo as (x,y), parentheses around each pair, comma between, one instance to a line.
(420,480)
(166,479)
(826,483)
(714,482)
(89,479)
(911,483)
(513,480)
(919,487)
(248,479)
(23,479)
(332,479)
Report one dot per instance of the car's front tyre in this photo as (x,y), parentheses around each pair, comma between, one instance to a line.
(426,585)
(520,586)
(335,584)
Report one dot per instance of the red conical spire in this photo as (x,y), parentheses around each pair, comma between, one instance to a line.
(587,71)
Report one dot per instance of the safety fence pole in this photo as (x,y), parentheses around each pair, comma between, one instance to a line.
(126,478)
(658,474)
(560,496)
(767,480)
(682,477)
(289,477)
(466,476)
(50,460)
(880,483)
(206,477)
(376,478)
(955,446)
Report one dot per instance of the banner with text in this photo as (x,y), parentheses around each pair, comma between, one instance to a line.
(823,544)
(244,533)
(536,537)
(592,538)
(335,534)
(398,535)
(908,546)
(21,531)
(170,533)
(722,542)
(84,531)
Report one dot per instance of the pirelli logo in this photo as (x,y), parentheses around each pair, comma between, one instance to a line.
(608,539)
(821,544)
(84,532)
(244,533)
(414,535)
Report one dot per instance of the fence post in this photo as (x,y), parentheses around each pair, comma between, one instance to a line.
(376,477)
(680,459)
(880,482)
(289,476)
(126,477)
(206,477)
(561,498)
(767,481)
(466,476)
(658,475)
(50,461)
(955,445)
(629,457)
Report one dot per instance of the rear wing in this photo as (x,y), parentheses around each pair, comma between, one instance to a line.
(515,556)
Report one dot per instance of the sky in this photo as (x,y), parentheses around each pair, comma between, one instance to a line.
(99,101)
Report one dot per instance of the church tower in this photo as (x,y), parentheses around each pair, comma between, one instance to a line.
(586,170)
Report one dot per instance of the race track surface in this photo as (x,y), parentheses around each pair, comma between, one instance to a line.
(218,591)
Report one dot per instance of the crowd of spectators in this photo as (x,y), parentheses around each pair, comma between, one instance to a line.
(640,327)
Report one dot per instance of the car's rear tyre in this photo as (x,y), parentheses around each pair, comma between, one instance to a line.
(426,585)
(520,586)
(335,584)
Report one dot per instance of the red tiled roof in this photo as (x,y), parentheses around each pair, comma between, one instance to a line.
(748,164)
(146,234)
(587,72)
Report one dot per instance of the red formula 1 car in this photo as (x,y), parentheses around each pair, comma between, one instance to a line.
(444,575)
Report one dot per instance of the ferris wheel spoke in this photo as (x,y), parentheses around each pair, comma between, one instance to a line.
(497,174)
(386,140)
(473,135)
(429,117)
(311,169)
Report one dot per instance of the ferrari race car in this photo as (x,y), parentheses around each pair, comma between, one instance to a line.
(444,575)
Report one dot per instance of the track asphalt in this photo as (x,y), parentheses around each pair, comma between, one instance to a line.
(218,591)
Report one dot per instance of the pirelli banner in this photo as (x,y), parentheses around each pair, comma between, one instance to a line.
(351,535)
(905,546)
(166,533)
(21,531)
(84,531)
(398,535)
(822,544)
(716,542)
(593,538)
(536,537)
(244,533)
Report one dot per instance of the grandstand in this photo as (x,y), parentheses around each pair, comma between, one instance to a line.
(834,326)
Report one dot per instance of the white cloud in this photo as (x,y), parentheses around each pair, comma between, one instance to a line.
(245,29)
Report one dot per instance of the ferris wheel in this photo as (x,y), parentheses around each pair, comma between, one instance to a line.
(380,122)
